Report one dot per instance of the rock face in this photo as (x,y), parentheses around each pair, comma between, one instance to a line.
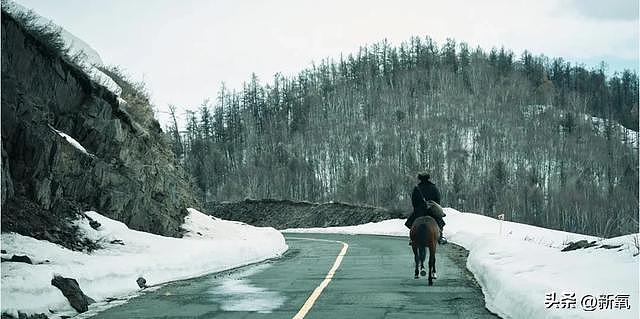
(25,316)
(580,244)
(21,259)
(142,283)
(71,290)
(282,214)
(46,179)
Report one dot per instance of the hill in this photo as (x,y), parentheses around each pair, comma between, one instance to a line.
(498,133)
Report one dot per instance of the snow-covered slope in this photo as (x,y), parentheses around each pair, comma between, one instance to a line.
(599,126)
(75,44)
(524,274)
(89,58)
(209,245)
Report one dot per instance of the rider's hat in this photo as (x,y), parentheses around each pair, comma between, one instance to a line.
(424,176)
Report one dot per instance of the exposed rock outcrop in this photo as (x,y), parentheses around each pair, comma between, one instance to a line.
(580,244)
(142,283)
(25,316)
(19,259)
(46,180)
(71,290)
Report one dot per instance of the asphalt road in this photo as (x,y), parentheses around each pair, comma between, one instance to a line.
(375,280)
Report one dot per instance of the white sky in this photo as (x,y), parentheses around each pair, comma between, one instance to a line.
(185,49)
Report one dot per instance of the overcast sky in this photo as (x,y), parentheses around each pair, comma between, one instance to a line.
(185,49)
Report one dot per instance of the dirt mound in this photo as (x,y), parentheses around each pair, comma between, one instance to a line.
(282,214)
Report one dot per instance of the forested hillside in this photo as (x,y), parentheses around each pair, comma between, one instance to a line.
(543,141)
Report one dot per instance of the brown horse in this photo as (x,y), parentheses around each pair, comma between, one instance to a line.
(424,233)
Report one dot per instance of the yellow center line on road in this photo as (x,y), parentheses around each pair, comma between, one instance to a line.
(316,292)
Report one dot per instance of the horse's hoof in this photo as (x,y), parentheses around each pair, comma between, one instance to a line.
(433,275)
(416,277)
(431,283)
(423,273)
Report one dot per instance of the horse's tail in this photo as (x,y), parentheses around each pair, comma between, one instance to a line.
(423,234)
(432,230)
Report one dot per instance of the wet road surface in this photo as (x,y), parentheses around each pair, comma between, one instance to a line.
(374,280)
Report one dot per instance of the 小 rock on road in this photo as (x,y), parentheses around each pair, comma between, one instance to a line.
(374,280)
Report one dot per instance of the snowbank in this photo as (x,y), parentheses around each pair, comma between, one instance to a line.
(209,245)
(520,267)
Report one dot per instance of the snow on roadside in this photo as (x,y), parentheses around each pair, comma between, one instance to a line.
(209,245)
(520,267)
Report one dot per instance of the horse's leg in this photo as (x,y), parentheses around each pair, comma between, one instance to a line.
(423,256)
(432,263)
(416,258)
(434,266)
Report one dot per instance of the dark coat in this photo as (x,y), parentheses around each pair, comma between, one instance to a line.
(423,192)
(429,191)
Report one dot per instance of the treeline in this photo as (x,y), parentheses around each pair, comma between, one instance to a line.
(498,133)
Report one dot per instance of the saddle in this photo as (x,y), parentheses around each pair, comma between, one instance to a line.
(433,210)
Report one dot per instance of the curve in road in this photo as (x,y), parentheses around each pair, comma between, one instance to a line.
(374,279)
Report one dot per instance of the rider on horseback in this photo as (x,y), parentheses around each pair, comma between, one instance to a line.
(422,193)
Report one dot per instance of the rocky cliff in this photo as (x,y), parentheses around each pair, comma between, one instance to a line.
(126,170)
